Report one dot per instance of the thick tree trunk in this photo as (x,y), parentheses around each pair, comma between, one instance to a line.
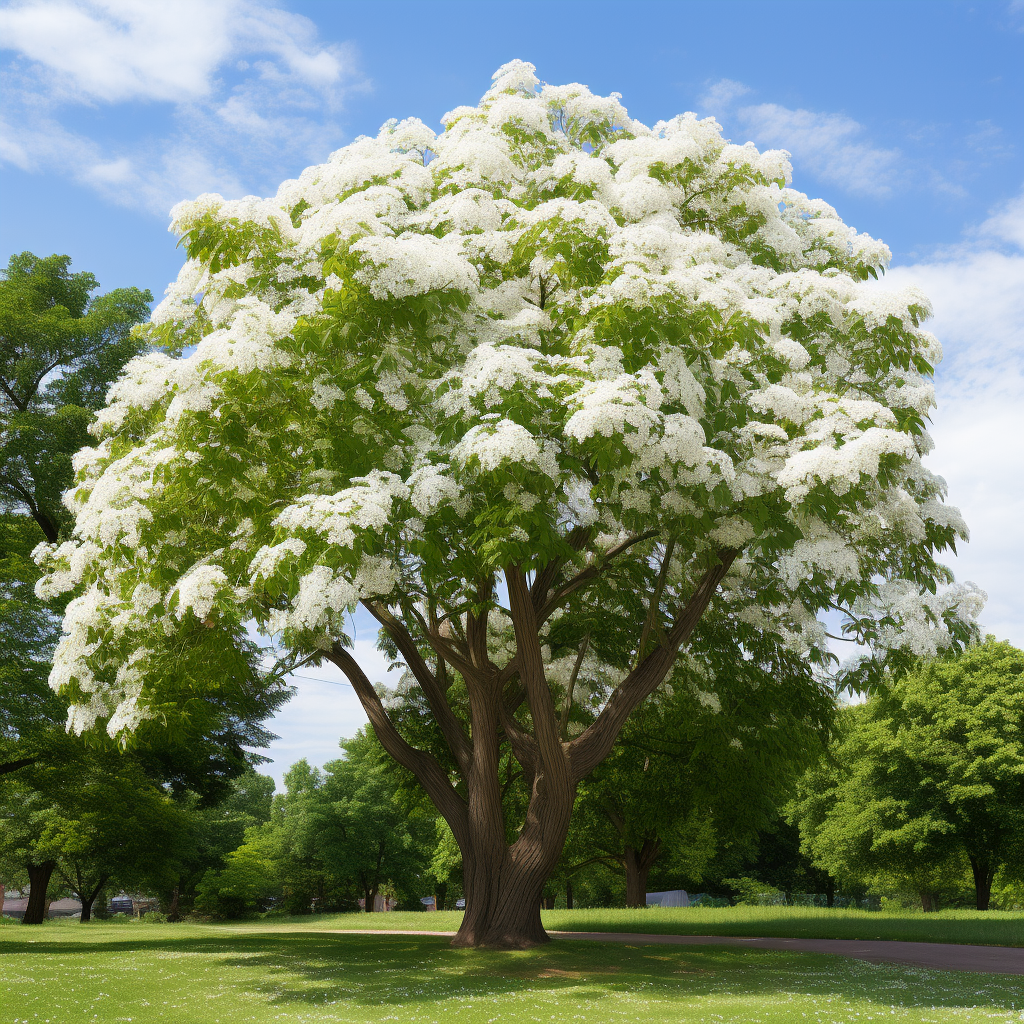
(638,866)
(504,884)
(502,904)
(39,881)
(173,914)
(88,899)
(983,875)
(929,904)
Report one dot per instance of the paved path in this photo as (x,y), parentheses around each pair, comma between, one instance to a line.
(939,956)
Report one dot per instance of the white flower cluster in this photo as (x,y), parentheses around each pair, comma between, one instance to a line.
(547,314)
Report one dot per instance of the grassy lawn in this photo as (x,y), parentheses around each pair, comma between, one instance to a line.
(201,974)
(968,926)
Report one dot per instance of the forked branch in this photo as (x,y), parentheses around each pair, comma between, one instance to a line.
(591,747)
(431,775)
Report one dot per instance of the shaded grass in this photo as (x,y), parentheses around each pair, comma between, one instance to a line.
(989,928)
(173,974)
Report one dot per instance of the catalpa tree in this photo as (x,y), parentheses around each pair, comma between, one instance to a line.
(535,392)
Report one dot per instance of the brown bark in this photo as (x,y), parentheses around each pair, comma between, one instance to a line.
(928,902)
(173,913)
(984,873)
(88,899)
(638,865)
(39,881)
(504,883)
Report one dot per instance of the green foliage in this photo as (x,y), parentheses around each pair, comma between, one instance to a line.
(60,350)
(751,892)
(925,776)
(700,769)
(98,818)
(333,837)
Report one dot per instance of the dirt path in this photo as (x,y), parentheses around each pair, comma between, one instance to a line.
(938,956)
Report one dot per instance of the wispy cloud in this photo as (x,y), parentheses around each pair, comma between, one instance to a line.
(831,146)
(247,86)
(977,289)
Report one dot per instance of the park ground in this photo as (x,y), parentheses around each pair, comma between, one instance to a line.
(298,970)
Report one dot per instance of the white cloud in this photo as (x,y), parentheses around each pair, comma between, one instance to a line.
(249,90)
(720,95)
(977,290)
(830,146)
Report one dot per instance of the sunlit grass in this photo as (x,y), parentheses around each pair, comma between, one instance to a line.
(199,974)
(964,926)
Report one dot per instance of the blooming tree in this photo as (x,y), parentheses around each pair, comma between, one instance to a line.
(535,392)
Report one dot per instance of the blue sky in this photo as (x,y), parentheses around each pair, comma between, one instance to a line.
(906,116)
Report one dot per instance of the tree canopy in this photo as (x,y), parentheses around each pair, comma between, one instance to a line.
(536,391)
(927,774)
(60,350)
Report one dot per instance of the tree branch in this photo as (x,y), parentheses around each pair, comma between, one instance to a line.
(653,607)
(567,706)
(452,729)
(591,747)
(591,572)
(12,766)
(431,775)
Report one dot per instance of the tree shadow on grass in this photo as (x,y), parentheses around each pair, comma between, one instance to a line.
(317,968)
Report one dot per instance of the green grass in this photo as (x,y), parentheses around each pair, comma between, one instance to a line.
(972,927)
(203,974)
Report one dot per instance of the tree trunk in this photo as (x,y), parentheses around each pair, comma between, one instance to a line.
(830,893)
(638,866)
(172,908)
(504,884)
(441,896)
(39,881)
(568,894)
(928,902)
(89,898)
(983,875)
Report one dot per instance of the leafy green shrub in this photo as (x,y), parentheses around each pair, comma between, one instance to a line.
(751,892)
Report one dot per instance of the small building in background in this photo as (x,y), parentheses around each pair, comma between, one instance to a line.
(672,898)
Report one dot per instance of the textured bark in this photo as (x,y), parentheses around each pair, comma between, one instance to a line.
(39,881)
(983,875)
(638,866)
(504,883)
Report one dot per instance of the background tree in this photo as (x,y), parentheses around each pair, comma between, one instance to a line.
(495,385)
(367,832)
(929,771)
(88,822)
(60,350)
(334,836)
(213,829)
(705,769)
(117,829)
